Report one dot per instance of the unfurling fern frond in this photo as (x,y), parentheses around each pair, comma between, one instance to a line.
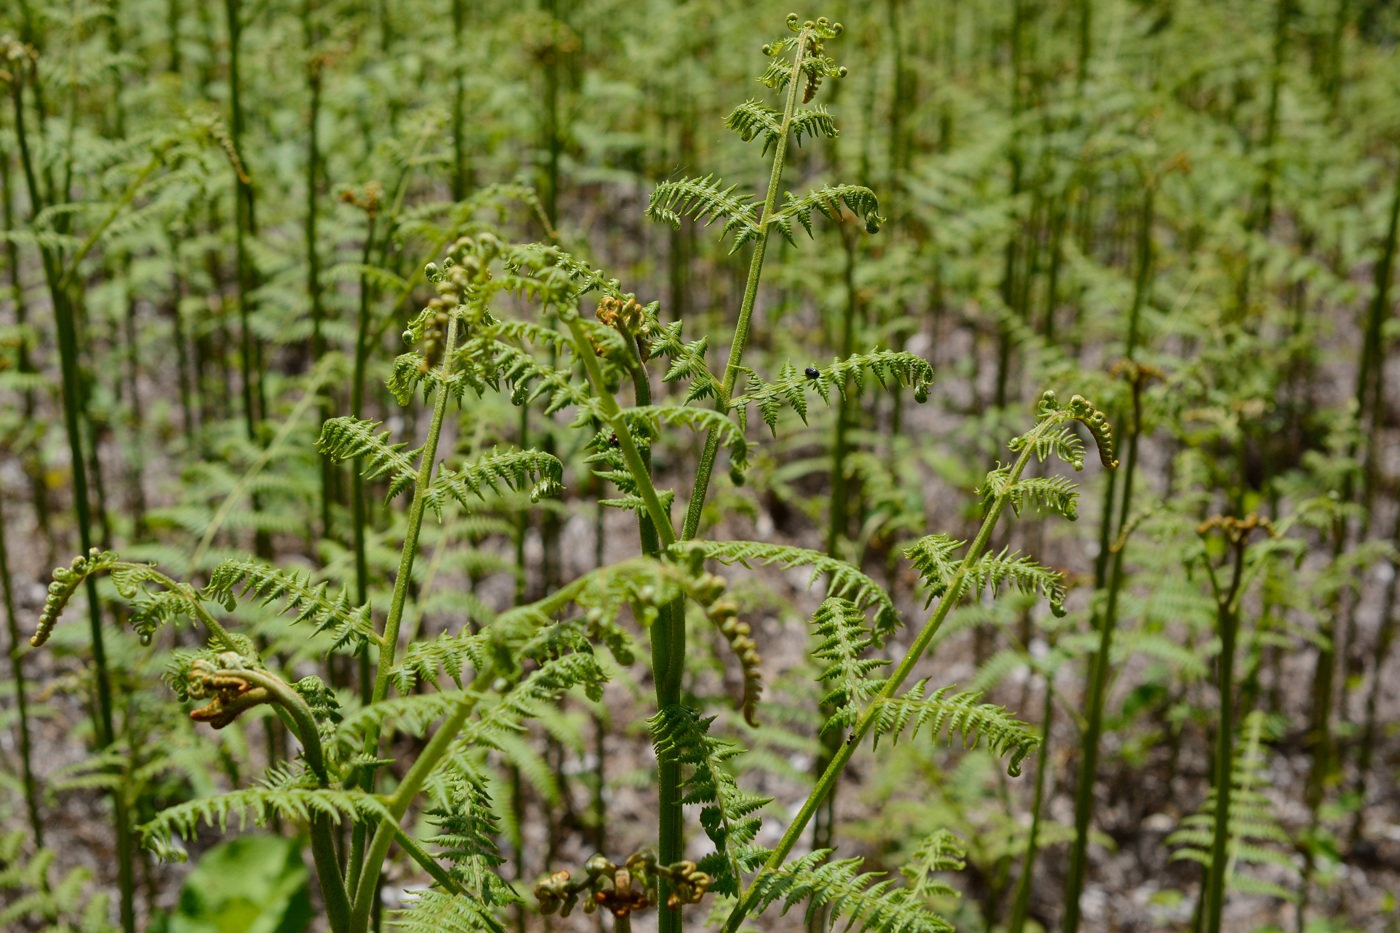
(840,889)
(828,200)
(728,814)
(933,558)
(1063,444)
(843,579)
(792,386)
(840,625)
(939,851)
(1255,836)
(66,581)
(706,199)
(316,603)
(724,613)
(1083,411)
(992,571)
(349,438)
(959,713)
(513,469)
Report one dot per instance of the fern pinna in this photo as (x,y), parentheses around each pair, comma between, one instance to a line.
(467,694)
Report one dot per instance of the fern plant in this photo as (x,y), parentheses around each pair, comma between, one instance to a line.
(471,690)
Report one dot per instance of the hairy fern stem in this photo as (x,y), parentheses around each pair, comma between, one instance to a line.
(740,340)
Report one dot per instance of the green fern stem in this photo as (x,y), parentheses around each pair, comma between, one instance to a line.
(31,790)
(74,414)
(896,680)
(300,720)
(668,631)
(1227,623)
(366,871)
(741,328)
(409,554)
(1021,905)
(387,831)
(612,413)
(359,519)
(1098,681)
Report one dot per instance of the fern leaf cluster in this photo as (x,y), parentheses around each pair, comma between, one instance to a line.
(992,571)
(839,889)
(347,438)
(933,557)
(256,805)
(313,603)
(843,579)
(828,200)
(728,814)
(543,473)
(467,832)
(961,713)
(792,385)
(840,624)
(939,851)
(1256,839)
(706,199)
(434,911)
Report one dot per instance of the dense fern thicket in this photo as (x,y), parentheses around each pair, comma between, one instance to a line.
(506,439)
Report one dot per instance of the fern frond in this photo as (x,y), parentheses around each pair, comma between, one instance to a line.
(753,118)
(957,713)
(939,851)
(66,581)
(315,603)
(347,438)
(843,579)
(828,200)
(992,571)
(728,813)
(1062,443)
(888,366)
(467,832)
(257,804)
(530,379)
(705,199)
(687,362)
(1255,836)
(697,419)
(411,715)
(840,889)
(434,911)
(513,469)
(933,558)
(840,624)
(1052,493)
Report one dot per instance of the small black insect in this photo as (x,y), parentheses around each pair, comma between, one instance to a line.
(613,441)
(812,372)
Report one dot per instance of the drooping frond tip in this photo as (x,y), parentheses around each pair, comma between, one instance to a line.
(1082,410)
(724,613)
(66,581)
